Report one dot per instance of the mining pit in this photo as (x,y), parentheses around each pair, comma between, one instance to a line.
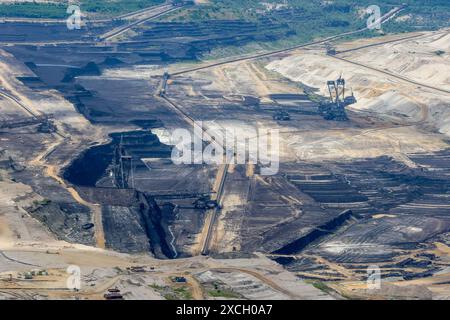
(345,205)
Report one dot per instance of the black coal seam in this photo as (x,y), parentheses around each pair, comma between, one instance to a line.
(152,219)
(323,230)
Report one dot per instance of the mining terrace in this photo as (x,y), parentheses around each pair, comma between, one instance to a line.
(372,190)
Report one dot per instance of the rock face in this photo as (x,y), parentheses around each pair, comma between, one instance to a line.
(132,221)
(125,230)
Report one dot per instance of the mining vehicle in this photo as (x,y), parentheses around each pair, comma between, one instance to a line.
(205,203)
(281,116)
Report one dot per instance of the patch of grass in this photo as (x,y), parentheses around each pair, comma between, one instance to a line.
(42,203)
(170,296)
(157,287)
(183,293)
(217,290)
(173,293)
(33,10)
(118,7)
(218,293)
(321,286)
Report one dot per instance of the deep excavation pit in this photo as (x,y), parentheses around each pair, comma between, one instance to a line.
(73,70)
(132,220)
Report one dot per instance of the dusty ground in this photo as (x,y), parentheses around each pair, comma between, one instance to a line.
(418,59)
(393,118)
(102,270)
(73,129)
(26,244)
(412,98)
(435,287)
(368,136)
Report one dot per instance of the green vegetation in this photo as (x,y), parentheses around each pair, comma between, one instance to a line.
(217,293)
(276,25)
(173,293)
(58,11)
(157,287)
(42,202)
(307,18)
(181,293)
(118,7)
(304,21)
(217,289)
(321,286)
(33,10)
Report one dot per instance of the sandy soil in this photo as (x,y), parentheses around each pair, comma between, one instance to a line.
(71,125)
(101,270)
(416,59)
(25,244)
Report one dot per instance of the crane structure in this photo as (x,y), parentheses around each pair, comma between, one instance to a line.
(163,85)
(331,50)
(334,109)
(122,167)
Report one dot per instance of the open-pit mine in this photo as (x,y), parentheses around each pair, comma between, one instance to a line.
(88,181)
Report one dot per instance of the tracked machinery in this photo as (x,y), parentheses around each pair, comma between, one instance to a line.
(281,115)
(331,50)
(334,108)
(205,203)
(163,85)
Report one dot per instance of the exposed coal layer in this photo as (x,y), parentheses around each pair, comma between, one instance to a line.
(92,165)
(64,219)
(416,200)
(391,186)
(137,227)
(88,168)
(156,227)
(406,209)
(161,42)
(180,40)
(379,240)
(125,229)
(46,32)
(109,196)
(33,83)
(102,100)
(396,209)
(132,220)
(299,244)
